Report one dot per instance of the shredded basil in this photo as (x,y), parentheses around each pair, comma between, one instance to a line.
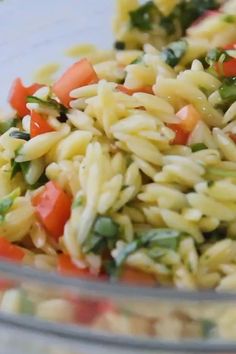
(51,103)
(208,328)
(7,124)
(174,52)
(17,134)
(78,202)
(198,147)
(7,202)
(143,17)
(227,90)
(119,45)
(106,227)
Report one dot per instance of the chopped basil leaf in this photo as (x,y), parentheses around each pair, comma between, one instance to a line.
(229,18)
(7,202)
(51,103)
(208,328)
(20,135)
(227,90)
(94,243)
(127,251)
(185,13)
(174,52)
(139,60)
(78,202)
(156,252)
(151,240)
(7,124)
(221,172)
(142,18)
(106,227)
(198,147)
(15,168)
(119,45)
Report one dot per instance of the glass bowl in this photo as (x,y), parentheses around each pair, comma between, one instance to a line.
(46,313)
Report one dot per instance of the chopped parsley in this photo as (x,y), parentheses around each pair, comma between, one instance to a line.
(174,52)
(7,202)
(198,147)
(49,102)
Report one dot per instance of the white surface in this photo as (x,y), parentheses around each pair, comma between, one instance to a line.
(33,32)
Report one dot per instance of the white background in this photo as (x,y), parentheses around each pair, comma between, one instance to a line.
(33,32)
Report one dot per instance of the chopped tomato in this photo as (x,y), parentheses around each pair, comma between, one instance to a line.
(79,74)
(181,137)
(18,95)
(87,310)
(39,125)
(189,118)
(137,277)
(10,251)
(6,284)
(227,69)
(65,266)
(233,137)
(53,208)
(230,46)
(130,92)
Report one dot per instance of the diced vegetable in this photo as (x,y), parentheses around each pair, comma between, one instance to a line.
(17,134)
(65,266)
(130,92)
(189,118)
(174,52)
(7,202)
(181,137)
(137,277)
(10,251)
(7,124)
(227,68)
(50,103)
(105,226)
(227,91)
(142,18)
(18,95)
(198,147)
(53,208)
(119,45)
(79,74)
(39,125)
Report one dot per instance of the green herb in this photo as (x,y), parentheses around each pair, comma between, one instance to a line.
(103,236)
(7,124)
(50,103)
(228,90)
(210,183)
(19,167)
(198,147)
(143,17)
(151,240)
(78,202)
(174,52)
(185,13)
(7,202)
(208,328)
(20,135)
(213,56)
(119,45)
(106,227)
(139,60)
(41,182)
(157,252)
(221,172)
(229,18)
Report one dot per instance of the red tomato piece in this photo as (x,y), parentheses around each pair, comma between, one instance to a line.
(137,277)
(189,118)
(10,251)
(130,92)
(53,208)
(181,136)
(18,95)
(227,69)
(79,74)
(39,125)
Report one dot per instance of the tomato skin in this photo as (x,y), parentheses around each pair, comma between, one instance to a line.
(233,137)
(137,277)
(227,69)
(229,46)
(78,75)
(39,125)
(10,251)
(207,14)
(181,137)
(66,267)
(130,92)
(53,208)
(18,96)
